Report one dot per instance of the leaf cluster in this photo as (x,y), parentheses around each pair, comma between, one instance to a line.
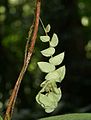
(49,96)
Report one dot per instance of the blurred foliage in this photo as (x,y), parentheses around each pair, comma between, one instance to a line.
(80,116)
(71,20)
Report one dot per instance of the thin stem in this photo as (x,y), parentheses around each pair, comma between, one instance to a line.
(13,96)
(28,41)
(43,25)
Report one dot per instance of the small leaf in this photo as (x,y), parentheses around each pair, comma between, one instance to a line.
(44,38)
(61,72)
(49,109)
(54,40)
(52,95)
(43,83)
(48,101)
(48,52)
(1,118)
(44,100)
(48,27)
(46,67)
(58,93)
(52,106)
(57,60)
(52,76)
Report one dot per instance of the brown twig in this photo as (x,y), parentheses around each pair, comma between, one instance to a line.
(13,96)
(28,41)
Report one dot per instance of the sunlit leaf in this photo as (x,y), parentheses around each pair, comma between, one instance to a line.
(43,100)
(57,60)
(44,38)
(54,102)
(52,75)
(48,27)
(54,40)
(46,67)
(49,100)
(46,101)
(61,71)
(43,83)
(58,93)
(50,94)
(49,109)
(48,52)
(1,118)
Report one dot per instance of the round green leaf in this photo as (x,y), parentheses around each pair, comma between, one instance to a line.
(1,118)
(48,52)
(48,101)
(46,67)
(44,100)
(54,40)
(52,76)
(61,71)
(48,27)
(57,60)
(45,38)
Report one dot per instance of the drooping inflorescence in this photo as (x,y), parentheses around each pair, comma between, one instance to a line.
(49,96)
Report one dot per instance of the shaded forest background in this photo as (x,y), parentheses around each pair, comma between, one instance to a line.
(71,20)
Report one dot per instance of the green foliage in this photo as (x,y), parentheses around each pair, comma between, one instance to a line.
(54,40)
(49,96)
(48,52)
(57,60)
(76,116)
(66,19)
(1,118)
(46,67)
(49,100)
(47,29)
(44,38)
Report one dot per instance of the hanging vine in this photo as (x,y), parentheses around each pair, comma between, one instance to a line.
(49,96)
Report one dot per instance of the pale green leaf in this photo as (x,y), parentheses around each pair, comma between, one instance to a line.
(52,95)
(61,71)
(54,40)
(45,101)
(49,109)
(48,101)
(37,98)
(52,75)
(43,83)
(1,118)
(46,67)
(58,94)
(52,98)
(45,38)
(48,52)
(57,60)
(53,105)
(48,27)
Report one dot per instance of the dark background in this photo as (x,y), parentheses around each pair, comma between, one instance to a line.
(71,20)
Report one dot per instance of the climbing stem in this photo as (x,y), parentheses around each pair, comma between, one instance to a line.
(12,99)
